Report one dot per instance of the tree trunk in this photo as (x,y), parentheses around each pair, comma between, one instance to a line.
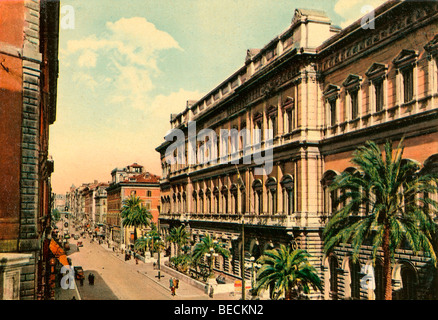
(288,294)
(135,234)
(387,270)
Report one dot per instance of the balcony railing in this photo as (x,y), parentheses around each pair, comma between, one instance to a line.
(250,219)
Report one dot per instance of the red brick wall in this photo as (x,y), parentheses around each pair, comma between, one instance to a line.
(11,24)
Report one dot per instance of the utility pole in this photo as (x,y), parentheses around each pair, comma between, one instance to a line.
(242,254)
(242,260)
(159,250)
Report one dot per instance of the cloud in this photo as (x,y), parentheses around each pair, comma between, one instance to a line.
(175,102)
(85,79)
(162,106)
(140,40)
(128,50)
(352,10)
(87,59)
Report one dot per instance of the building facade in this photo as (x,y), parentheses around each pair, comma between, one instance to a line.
(128,181)
(100,201)
(59,202)
(28,91)
(259,150)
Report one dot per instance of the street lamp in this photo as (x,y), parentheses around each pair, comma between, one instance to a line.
(253,265)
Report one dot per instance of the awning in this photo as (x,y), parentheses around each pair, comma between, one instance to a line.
(58,252)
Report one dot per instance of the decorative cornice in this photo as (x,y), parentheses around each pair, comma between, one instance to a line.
(352,79)
(406,56)
(331,89)
(376,69)
(432,46)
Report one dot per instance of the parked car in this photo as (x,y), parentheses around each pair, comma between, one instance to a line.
(79,272)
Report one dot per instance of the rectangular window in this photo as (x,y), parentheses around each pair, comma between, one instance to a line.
(408,85)
(290,120)
(378,94)
(333,119)
(354,102)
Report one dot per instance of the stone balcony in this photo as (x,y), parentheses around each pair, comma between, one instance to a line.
(280,220)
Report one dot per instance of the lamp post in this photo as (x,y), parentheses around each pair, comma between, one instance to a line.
(242,260)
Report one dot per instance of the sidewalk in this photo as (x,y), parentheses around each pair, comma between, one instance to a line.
(185,290)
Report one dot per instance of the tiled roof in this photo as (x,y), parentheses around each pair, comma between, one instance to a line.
(135,165)
(144,177)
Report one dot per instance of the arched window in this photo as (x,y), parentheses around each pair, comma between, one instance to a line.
(216,199)
(257,187)
(201,201)
(184,201)
(235,203)
(224,193)
(179,209)
(409,281)
(333,265)
(330,196)
(242,200)
(195,202)
(174,203)
(271,189)
(287,184)
(355,279)
(208,197)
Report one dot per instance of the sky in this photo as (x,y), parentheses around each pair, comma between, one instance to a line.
(125,66)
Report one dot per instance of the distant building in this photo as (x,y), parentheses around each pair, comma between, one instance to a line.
(100,202)
(132,180)
(59,202)
(29,35)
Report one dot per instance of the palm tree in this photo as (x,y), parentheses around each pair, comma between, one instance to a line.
(154,236)
(392,195)
(179,236)
(286,271)
(181,262)
(208,247)
(134,214)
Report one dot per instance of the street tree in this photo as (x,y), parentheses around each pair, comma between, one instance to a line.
(209,248)
(179,236)
(286,271)
(385,201)
(134,214)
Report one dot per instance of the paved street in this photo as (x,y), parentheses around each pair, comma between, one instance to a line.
(116,279)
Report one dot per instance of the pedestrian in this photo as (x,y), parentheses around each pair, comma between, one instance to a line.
(211,291)
(91,279)
(172,287)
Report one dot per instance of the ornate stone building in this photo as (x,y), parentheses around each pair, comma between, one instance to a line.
(320,92)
